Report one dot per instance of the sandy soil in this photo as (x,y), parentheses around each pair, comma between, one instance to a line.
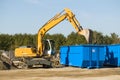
(66,73)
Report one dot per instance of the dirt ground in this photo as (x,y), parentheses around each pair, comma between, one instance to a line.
(66,73)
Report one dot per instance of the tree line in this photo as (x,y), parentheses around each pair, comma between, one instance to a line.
(10,42)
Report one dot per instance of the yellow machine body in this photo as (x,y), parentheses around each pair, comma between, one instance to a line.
(25,52)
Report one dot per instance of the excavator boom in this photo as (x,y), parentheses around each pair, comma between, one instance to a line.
(65,14)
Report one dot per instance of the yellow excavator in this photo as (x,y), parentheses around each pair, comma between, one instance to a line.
(44,54)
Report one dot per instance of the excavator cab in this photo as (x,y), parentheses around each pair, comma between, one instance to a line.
(49,47)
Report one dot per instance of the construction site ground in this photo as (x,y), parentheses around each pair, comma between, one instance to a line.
(65,73)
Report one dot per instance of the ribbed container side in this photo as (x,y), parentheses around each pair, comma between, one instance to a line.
(113,55)
(84,56)
(64,55)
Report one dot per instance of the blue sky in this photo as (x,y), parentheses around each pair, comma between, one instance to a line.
(27,16)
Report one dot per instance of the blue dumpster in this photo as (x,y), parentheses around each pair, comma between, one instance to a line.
(112,57)
(84,56)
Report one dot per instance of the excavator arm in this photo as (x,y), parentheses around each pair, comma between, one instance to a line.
(65,14)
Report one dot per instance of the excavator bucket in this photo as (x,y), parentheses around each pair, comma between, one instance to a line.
(87,33)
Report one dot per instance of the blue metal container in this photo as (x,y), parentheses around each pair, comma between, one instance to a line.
(113,55)
(84,56)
